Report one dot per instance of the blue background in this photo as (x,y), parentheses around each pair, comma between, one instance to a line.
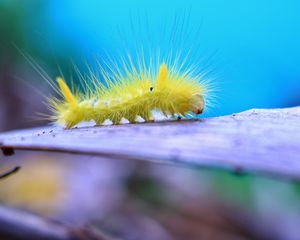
(257,43)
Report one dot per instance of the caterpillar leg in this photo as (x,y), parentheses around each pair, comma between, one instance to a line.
(99,121)
(131,119)
(147,116)
(116,119)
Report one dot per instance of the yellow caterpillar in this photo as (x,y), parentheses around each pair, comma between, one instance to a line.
(135,93)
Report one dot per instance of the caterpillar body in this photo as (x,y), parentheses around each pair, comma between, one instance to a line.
(131,95)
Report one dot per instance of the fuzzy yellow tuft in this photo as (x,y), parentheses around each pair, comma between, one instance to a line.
(131,95)
(162,76)
(66,92)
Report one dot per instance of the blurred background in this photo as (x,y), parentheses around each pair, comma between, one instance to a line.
(250,50)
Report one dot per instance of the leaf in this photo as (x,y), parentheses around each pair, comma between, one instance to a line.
(258,141)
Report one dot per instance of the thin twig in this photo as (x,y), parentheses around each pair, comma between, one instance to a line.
(10,172)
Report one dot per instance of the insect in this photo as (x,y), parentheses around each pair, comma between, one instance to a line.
(131,95)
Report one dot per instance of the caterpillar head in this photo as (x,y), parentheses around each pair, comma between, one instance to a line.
(197,103)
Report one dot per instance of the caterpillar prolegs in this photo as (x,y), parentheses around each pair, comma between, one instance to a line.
(131,95)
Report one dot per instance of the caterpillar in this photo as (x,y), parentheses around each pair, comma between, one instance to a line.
(130,95)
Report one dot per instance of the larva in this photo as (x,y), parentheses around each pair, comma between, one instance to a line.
(131,95)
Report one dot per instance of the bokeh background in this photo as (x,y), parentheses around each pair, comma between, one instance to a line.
(251,51)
